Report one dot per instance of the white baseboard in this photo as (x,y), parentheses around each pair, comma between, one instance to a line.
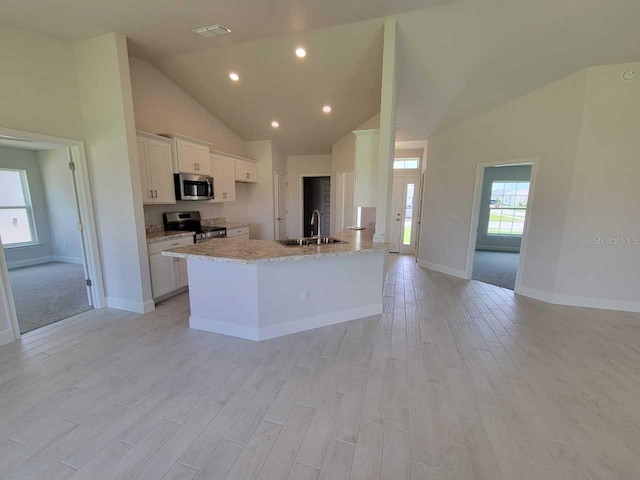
(575,301)
(6,336)
(60,258)
(28,262)
(130,306)
(490,248)
(442,269)
(265,333)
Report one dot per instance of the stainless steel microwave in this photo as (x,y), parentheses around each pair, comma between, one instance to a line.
(193,187)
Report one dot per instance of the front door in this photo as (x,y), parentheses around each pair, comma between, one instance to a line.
(404,222)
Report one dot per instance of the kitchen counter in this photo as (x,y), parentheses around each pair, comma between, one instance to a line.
(162,235)
(248,289)
(259,251)
(228,225)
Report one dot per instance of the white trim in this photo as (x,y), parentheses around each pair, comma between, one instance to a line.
(93,265)
(60,258)
(265,333)
(492,248)
(442,269)
(129,306)
(574,301)
(6,336)
(29,262)
(370,131)
(276,193)
(475,214)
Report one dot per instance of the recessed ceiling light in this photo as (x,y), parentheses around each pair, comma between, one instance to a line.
(301,52)
(326,109)
(234,76)
(275,124)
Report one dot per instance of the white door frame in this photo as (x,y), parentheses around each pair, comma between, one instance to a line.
(475,214)
(301,200)
(415,224)
(340,203)
(89,232)
(276,193)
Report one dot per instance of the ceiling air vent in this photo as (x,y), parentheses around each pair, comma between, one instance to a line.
(212,30)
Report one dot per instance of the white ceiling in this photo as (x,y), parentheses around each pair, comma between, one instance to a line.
(164,27)
(342,69)
(456,58)
(464,58)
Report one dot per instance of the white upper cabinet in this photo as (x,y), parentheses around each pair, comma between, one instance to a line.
(190,155)
(223,170)
(246,171)
(156,169)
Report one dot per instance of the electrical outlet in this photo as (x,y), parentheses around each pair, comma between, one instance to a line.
(304,296)
(438,251)
(591,279)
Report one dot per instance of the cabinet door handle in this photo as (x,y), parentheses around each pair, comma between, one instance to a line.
(155,192)
(151,193)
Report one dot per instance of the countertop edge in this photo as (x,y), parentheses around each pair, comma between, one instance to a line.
(161,237)
(168,253)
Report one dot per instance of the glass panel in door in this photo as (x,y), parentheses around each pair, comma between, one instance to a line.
(408,214)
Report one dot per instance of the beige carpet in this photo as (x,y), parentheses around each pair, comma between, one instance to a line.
(47,293)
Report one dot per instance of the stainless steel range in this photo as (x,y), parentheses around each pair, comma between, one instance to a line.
(190,222)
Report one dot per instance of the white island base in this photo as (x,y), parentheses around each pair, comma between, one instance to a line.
(258,301)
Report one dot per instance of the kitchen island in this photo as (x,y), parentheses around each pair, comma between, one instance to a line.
(259,289)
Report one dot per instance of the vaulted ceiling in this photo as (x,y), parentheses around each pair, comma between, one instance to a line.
(159,28)
(342,69)
(461,59)
(455,58)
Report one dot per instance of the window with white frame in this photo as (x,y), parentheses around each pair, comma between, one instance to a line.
(16,216)
(406,163)
(508,208)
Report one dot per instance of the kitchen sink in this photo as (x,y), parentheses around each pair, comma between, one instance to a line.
(304,242)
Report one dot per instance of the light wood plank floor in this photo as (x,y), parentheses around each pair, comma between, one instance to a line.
(456,380)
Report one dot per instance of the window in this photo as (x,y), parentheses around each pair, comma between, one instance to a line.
(406,163)
(508,208)
(16,219)
(408,214)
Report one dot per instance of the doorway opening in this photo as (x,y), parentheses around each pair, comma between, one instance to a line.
(49,270)
(405,212)
(281,228)
(316,195)
(501,213)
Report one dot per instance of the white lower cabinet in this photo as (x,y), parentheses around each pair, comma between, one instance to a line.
(241,233)
(168,274)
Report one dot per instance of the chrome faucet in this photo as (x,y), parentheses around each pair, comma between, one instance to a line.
(313,221)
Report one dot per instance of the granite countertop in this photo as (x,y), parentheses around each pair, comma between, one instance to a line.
(258,251)
(162,235)
(229,225)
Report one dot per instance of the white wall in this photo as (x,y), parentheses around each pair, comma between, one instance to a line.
(605,195)
(62,209)
(38,84)
(584,135)
(542,124)
(107,109)
(260,209)
(343,154)
(299,166)
(162,107)
(27,160)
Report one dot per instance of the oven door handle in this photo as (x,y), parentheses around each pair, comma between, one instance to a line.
(210,188)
